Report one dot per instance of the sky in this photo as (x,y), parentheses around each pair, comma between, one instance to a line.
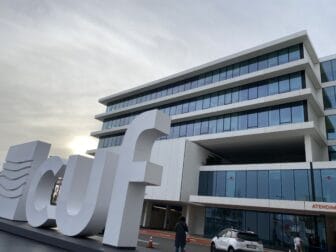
(57,58)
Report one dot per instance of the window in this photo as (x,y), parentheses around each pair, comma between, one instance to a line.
(263,90)
(221,99)
(208,78)
(220,182)
(227,123)
(332,152)
(242,121)
(251,184)
(301,179)
(327,73)
(243,94)
(212,126)
(190,129)
(230,183)
(240,190)
(206,102)
(185,107)
(283,84)
(220,124)
(253,92)
(205,127)
(273,59)
(183,130)
(262,119)
(329,97)
(329,184)
(228,99)
(287,179)
(214,100)
(331,127)
(178,109)
(252,120)
(172,110)
(318,185)
(234,122)
(197,128)
(253,65)
(199,104)
(297,113)
(222,74)
(262,62)
(215,77)
(295,81)
(202,183)
(285,115)
(263,185)
(283,56)
(274,117)
(201,81)
(192,106)
(294,53)
(273,87)
(235,95)
(236,70)
(274,184)
(243,68)
(229,72)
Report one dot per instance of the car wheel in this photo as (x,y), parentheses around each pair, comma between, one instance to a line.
(231,249)
(213,247)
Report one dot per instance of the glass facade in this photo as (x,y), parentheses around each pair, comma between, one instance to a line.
(275,115)
(269,184)
(256,90)
(261,184)
(248,66)
(328,70)
(276,230)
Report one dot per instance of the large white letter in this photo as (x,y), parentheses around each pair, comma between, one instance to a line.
(39,210)
(133,173)
(21,162)
(83,201)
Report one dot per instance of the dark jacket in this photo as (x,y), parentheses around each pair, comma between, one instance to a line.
(180,239)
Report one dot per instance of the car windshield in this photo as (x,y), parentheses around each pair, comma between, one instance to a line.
(248,236)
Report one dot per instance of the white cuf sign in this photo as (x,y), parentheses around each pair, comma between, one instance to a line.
(105,192)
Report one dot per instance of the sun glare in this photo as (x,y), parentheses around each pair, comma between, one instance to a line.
(80,144)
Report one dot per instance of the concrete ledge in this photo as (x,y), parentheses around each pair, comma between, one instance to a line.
(54,238)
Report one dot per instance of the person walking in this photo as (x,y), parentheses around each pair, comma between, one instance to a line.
(181,230)
(298,244)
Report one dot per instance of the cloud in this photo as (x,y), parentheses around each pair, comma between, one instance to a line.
(57,58)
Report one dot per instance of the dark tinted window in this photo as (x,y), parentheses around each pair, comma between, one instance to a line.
(248,236)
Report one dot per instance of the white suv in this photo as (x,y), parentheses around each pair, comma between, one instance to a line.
(234,240)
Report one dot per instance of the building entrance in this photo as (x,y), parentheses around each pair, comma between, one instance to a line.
(164,216)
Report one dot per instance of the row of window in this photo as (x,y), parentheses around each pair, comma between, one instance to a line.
(248,66)
(270,184)
(328,70)
(272,86)
(329,97)
(276,230)
(114,140)
(258,118)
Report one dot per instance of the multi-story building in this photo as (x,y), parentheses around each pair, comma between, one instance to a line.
(251,143)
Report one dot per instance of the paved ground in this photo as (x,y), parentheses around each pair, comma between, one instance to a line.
(163,244)
(162,240)
(13,243)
